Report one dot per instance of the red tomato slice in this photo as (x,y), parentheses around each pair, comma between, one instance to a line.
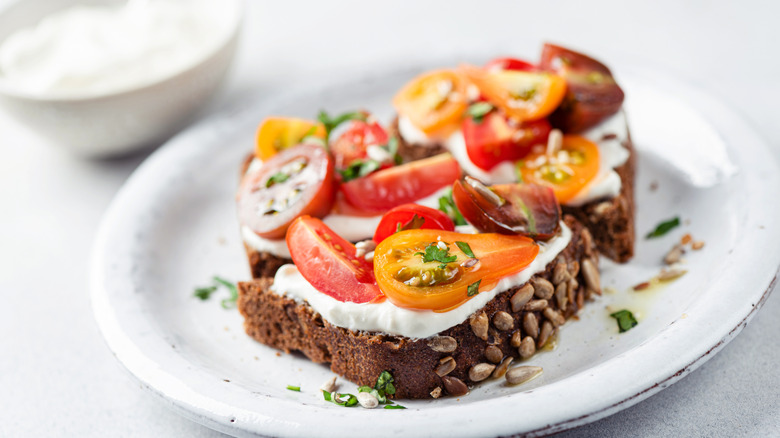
(510,64)
(411,279)
(592,94)
(527,209)
(328,262)
(296,181)
(388,188)
(353,143)
(493,139)
(412,216)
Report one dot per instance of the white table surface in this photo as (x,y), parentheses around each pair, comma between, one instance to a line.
(58,378)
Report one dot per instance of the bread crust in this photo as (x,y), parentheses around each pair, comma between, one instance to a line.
(283,323)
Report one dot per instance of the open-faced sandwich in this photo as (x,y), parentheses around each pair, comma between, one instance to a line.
(439,253)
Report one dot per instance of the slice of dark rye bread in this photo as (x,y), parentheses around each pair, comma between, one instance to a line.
(611,221)
(515,323)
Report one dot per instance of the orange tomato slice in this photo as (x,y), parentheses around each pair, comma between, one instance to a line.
(567,171)
(411,279)
(277,133)
(522,95)
(434,102)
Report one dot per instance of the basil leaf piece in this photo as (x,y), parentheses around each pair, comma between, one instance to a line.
(477,111)
(466,249)
(228,303)
(294,388)
(473,288)
(278,177)
(394,407)
(625,320)
(663,228)
(447,205)
(331,123)
(204,293)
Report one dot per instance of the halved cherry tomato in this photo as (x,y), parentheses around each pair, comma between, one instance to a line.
(567,171)
(388,188)
(294,182)
(434,102)
(277,133)
(410,278)
(527,209)
(353,143)
(592,95)
(523,95)
(412,216)
(510,64)
(328,262)
(493,139)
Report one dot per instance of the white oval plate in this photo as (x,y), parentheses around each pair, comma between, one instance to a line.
(173,226)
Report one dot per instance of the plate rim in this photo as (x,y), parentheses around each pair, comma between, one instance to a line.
(142,367)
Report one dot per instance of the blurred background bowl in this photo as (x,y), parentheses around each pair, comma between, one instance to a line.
(116,123)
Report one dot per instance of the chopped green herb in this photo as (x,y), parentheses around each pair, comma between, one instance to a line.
(415,223)
(663,228)
(339,399)
(392,149)
(331,123)
(204,293)
(365,388)
(294,388)
(447,205)
(359,169)
(326,395)
(625,320)
(231,287)
(473,288)
(394,407)
(384,383)
(435,254)
(278,177)
(519,170)
(524,94)
(477,111)
(466,249)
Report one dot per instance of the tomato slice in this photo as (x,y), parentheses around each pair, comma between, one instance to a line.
(277,133)
(592,96)
(328,262)
(412,216)
(297,181)
(434,102)
(523,95)
(566,171)
(527,209)
(353,144)
(391,187)
(510,64)
(494,139)
(415,271)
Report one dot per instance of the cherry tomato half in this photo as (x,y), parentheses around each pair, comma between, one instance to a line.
(567,171)
(411,278)
(434,102)
(277,133)
(522,95)
(391,187)
(510,64)
(328,262)
(412,216)
(353,143)
(297,181)
(494,139)
(592,93)
(527,209)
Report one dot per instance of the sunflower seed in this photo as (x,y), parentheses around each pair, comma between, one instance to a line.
(591,274)
(494,354)
(671,274)
(542,288)
(544,333)
(522,374)
(531,325)
(502,367)
(527,347)
(560,273)
(561,295)
(445,367)
(479,325)
(436,393)
(481,371)
(503,321)
(554,316)
(330,385)
(455,386)
(367,400)
(443,344)
(535,305)
(674,255)
(697,245)
(369,256)
(574,268)
(521,297)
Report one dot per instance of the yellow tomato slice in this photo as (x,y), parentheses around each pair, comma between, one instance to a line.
(430,270)
(567,171)
(277,133)
(434,102)
(524,96)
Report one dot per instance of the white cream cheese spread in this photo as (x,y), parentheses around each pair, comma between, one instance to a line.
(385,317)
